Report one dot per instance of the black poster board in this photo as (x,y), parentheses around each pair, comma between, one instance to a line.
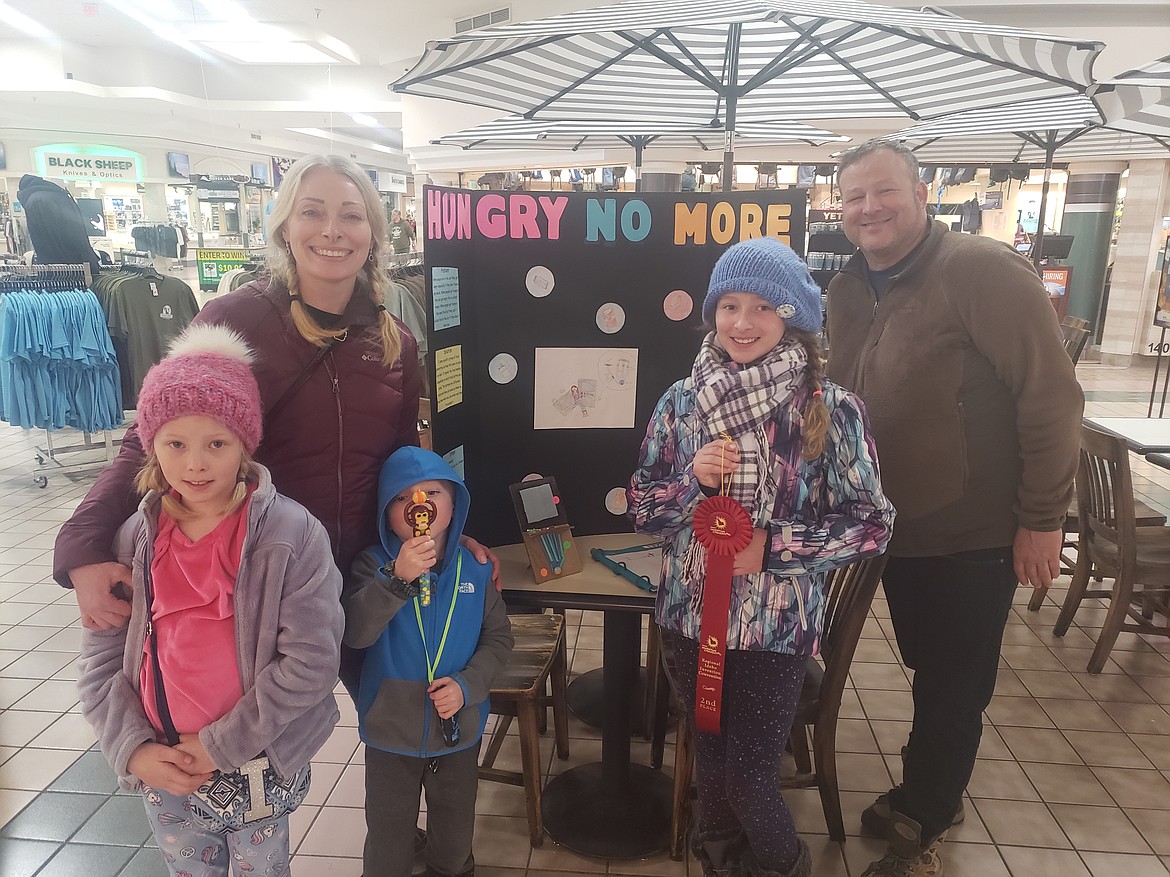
(535,371)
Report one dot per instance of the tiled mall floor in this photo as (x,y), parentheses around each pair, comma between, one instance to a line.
(1073,777)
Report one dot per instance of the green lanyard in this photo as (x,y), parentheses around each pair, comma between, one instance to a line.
(433,666)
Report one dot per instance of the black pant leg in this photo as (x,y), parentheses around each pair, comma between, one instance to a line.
(451,783)
(951,613)
(393,788)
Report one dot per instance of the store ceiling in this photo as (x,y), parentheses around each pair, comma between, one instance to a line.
(171,69)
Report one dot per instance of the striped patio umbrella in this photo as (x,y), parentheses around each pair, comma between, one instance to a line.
(1095,143)
(695,62)
(516,132)
(1031,132)
(1138,100)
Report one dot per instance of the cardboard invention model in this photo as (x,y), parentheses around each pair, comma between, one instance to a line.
(548,538)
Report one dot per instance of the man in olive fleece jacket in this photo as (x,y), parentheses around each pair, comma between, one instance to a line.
(951,342)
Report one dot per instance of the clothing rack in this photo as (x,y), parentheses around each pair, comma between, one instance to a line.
(50,457)
(394,260)
(406,267)
(44,274)
(136,257)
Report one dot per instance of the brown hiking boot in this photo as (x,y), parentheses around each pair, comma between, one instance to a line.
(908,855)
(925,864)
(877,819)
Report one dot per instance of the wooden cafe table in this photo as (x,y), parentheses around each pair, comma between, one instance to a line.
(612,808)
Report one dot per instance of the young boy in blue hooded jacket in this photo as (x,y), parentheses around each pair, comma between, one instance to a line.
(436,634)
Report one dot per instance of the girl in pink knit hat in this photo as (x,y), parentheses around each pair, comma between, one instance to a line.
(217,694)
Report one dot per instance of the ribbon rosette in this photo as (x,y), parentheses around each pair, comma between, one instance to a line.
(724,528)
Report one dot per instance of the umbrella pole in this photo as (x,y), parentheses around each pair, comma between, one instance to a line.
(1038,240)
(732,83)
(729,156)
(639,145)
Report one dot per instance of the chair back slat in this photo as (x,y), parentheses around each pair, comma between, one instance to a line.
(1076,334)
(1105,504)
(849,593)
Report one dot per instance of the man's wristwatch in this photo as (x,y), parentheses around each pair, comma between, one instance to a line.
(399,586)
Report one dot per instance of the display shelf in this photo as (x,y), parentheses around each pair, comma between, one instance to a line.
(830,242)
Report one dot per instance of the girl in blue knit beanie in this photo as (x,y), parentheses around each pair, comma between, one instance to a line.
(755,421)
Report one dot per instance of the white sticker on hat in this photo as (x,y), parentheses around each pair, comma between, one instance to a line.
(540,281)
(503,368)
(785,311)
(610,318)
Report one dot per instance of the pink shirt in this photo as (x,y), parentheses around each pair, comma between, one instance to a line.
(194,619)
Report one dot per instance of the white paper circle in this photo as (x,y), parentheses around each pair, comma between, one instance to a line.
(532,476)
(503,368)
(615,501)
(610,318)
(678,305)
(540,281)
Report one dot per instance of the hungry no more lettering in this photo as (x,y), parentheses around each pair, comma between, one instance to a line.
(452,216)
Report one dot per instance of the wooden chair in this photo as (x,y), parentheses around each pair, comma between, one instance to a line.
(1076,336)
(849,593)
(1111,544)
(1144,516)
(538,660)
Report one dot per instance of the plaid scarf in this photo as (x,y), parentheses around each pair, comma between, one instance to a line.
(739,400)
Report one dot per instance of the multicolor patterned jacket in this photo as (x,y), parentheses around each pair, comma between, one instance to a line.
(828,513)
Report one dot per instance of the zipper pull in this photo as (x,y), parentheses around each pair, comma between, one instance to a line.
(336,388)
(149,628)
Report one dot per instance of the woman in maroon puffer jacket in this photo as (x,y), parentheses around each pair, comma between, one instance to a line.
(338,377)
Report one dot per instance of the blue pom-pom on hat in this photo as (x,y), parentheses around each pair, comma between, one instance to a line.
(770,269)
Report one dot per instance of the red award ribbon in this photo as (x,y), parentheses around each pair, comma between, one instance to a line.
(724,528)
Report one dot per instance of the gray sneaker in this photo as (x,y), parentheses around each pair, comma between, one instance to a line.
(927,863)
(878,818)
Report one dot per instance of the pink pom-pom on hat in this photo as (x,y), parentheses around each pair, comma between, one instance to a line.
(207,371)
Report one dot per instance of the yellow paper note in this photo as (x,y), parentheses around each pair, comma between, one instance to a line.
(448,377)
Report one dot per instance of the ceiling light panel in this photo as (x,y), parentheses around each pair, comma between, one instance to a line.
(272,43)
(21,22)
(271,53)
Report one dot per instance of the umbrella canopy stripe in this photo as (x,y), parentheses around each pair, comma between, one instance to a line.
(1144,109)
(553,79)
(1155,73)
(804,95)
(773,58)
(1138,100)
(638,14)
(1099,143)
(515,132)
(651,14)
(1072,126)
(1055,113)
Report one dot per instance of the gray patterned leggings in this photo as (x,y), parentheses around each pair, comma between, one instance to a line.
(738,771)
(192,851)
